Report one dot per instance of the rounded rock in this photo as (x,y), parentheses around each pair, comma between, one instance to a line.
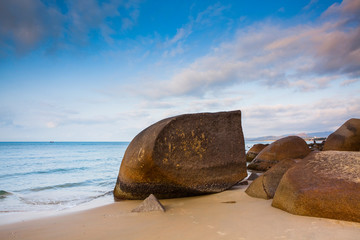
(254,151)
(290,147)
(345,138)
(324,184)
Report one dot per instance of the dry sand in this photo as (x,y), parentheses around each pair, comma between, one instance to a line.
(228,215)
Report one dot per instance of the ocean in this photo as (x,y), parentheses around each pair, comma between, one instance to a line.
(45,176)
(37,176)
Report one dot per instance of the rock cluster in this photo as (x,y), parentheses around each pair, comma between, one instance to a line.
(285,148)
(316,146)
(204,153)
(323,184)
(185,155)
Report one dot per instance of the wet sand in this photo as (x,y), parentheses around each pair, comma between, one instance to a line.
(228,215)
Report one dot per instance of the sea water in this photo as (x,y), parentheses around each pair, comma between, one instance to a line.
(36,176)
(42,176)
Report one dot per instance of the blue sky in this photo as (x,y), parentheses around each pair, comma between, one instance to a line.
(92,70)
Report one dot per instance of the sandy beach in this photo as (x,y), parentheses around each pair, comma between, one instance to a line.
(231,214)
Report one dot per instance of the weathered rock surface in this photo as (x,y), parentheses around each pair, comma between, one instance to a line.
(285,148)
(324,184)
(345,138)
(265,186)
(151,203)
(254,151)
(186,155)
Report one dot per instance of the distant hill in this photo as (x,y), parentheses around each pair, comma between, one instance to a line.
(302,135)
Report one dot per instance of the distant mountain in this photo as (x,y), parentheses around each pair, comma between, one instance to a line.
(264,138)
(302,135)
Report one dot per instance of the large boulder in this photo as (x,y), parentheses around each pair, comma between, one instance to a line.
(254,151)
(182,156)
(345,138)
(290,147)
(324,184)
(265,186)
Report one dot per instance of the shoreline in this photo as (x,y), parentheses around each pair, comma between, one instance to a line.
(16,217)
(231,214)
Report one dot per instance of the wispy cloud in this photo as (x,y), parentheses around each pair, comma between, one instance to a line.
(304,57)
(310,4)
(214,11)
(181,33)
(204,19)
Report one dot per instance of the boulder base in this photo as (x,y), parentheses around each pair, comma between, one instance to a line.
(324,184)
(182,156)
(285,148)
(345,138)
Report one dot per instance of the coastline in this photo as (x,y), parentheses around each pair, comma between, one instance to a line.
(10,217)
(231,214)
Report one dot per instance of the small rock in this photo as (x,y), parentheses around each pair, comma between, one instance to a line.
(243,183)
(252,177)
(265,186)
(229,202)
(150,204)
(254,151)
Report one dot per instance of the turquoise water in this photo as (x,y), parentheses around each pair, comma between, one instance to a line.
(38,176)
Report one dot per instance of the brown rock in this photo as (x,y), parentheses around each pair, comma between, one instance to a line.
(285,148)
(256,188)
(265,186)
(345,138)
(150,204)
(242,183)
(324,184)
(185,155)
(253,176)
(254,151)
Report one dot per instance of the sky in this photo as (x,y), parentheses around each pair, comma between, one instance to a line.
(92,70)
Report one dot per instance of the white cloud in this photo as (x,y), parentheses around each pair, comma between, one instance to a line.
(305,57)
(322,115)
(51,124)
